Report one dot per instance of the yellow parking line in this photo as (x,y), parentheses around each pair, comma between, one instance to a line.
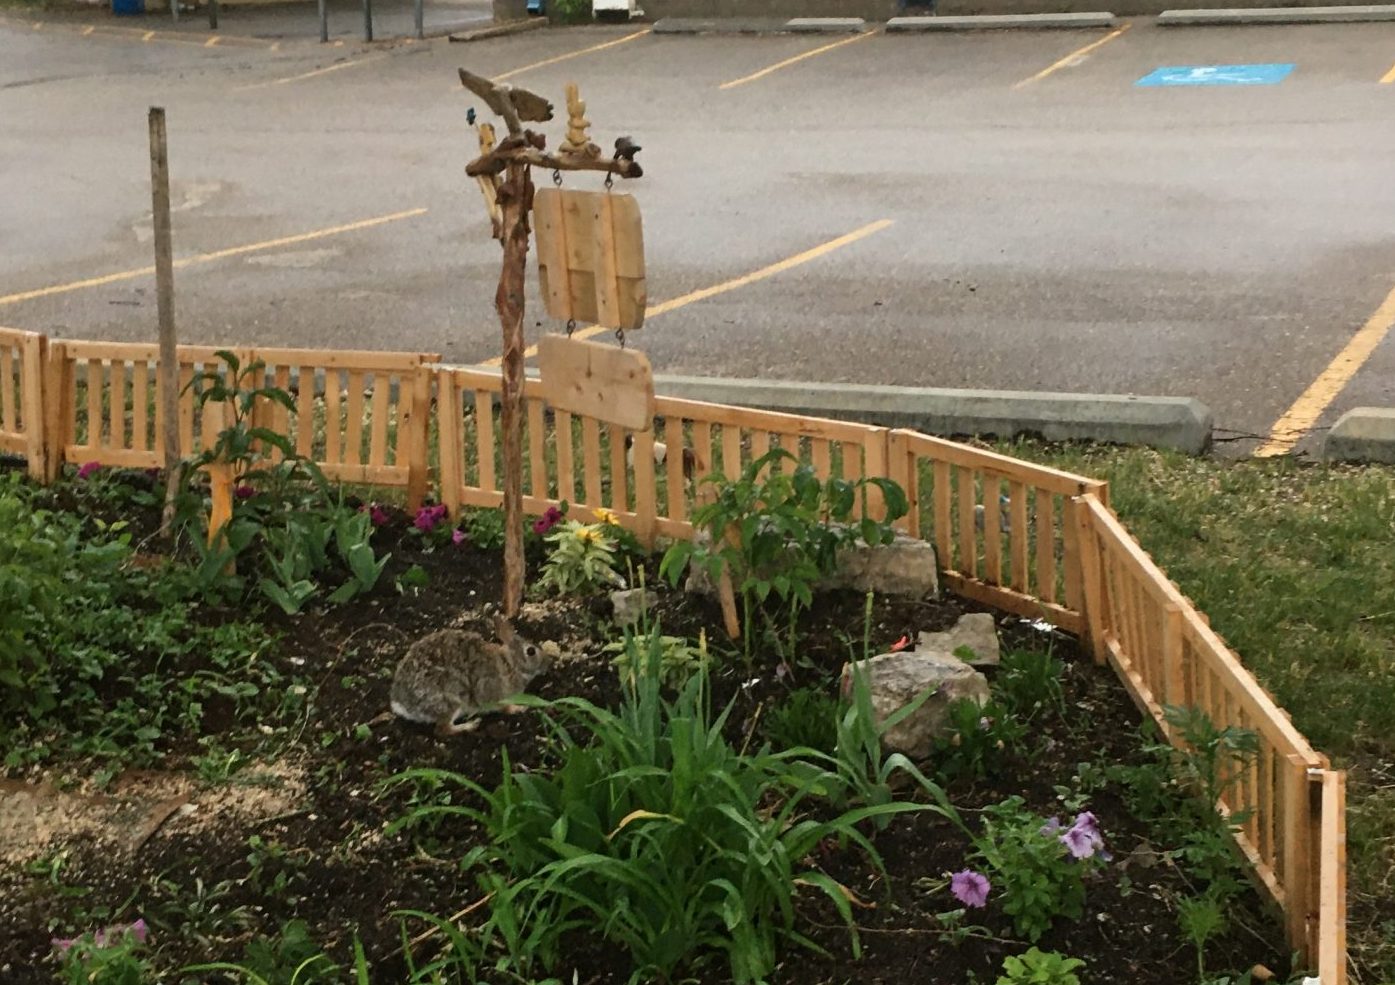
(673,304)
(571,54)
(148,35)
(88,30)
(212,42)
(1306,410)
(790,61)
(189,261)
(1389,77)
(312,74)
(1073,58)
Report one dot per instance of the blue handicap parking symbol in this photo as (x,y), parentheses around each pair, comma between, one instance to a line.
(1217,75)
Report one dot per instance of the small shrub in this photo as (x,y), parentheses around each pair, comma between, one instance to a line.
(1040,968)
(679,660)
(1038,865)
(106,958)
(805,718)
(980,739)
(1028,684)
(582,559)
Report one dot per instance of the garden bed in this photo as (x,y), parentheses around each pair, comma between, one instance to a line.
(248,825)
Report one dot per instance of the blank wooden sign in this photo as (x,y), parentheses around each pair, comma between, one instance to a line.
(601,381)
(591,256)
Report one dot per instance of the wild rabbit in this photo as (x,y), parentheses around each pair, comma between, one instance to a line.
(454,673)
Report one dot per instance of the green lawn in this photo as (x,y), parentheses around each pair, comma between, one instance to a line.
(1295,565)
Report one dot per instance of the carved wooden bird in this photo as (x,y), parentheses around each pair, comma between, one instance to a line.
(626,149)
(530,107)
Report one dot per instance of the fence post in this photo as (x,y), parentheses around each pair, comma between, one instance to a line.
(901,469)
(448,417)
(417,438)
(1331,957)
(1296,813)
(646,508)
(34,356)
(1174,688)
(1082,545)
(57,384)
(874,465)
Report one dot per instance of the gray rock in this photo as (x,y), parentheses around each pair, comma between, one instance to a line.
(629,606)
(975,630)
(906,568)
(895,679)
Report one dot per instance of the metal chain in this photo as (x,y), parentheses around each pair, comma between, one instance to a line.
(609,180)
(620,337)
(571,326)
(557,177)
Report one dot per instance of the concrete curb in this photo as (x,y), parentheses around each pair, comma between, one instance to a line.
(1277,15)
(906,25)
(1363,434)
(826,25)
(1182,423)
(721,25)
(500,30)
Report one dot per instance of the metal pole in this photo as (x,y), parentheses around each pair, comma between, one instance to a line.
(421,18)
(324,23)
(368,20)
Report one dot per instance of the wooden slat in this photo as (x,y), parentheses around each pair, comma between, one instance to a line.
(333,422)
(731,451)
(591,460)
(281,416)
(590,379)
(378,427)
(819,457)
(941,449)
(944,528)
(607,300)
(140,405)
(414,434)
(1332,890)
(673,468)
(646,501)
(124,458)
(619,480)
(874,465)
(187,400)
(1094,590)
(537,449)
(9,406)
(95,384)
(965,493)
(116,397)
(1264,802)
(1046,544)
(702,451)
(1295,848)
(566,464)
(449,416)
(1010,601)
(1019,536)
(359,359)
(992,530)
(305,412)
(553,276)
(353,422)
(484,441)
(367,475)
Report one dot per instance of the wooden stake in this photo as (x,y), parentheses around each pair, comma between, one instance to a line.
(164,291)
(515,199)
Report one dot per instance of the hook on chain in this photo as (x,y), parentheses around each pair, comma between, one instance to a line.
(571,326)
(557,177)
(620,337)
(609,180)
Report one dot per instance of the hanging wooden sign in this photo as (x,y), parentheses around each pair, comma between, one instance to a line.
(590,256)
(601,381)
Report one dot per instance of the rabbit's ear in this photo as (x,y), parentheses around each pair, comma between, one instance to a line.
(503,628)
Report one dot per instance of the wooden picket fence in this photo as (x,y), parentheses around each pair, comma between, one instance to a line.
(1024,538)
(23,357)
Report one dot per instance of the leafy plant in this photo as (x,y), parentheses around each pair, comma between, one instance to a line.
(678,661)
(582,559)
(106,959)
(1040,968)
(806,717)
(1028,684)
(1038,865)
(979,738)
(777,531)
(1201,918)
(484,528)
(291,959)
(655,834)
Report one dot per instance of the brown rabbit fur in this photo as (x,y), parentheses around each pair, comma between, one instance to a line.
(455,673)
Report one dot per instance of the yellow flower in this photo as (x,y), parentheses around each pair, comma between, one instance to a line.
(606,516)
(588,535)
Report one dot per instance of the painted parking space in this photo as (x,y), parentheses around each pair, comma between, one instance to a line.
(1217,75)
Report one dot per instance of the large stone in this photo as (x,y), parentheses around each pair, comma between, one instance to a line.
(629,605)
(896,679)
(906,568)
(975,631)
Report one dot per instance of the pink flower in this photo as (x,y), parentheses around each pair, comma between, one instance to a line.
(970,888)
(88,469)
(378,515)
(547,521)
(244,492)
(1083,839)
(138,930)
(457,537)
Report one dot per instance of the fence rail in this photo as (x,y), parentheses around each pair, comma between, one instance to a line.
(1028,539)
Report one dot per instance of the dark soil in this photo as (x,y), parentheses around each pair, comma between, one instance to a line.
(343,876)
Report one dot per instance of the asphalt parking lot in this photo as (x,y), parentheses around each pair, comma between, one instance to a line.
(1004,210)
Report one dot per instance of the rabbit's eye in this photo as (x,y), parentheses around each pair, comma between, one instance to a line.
(531,650)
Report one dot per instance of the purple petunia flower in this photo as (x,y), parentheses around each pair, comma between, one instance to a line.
(429,516)
(547,521)
(1051,826)
(970,888)
(1083,839)
(88,469)
(378,515)
(457,537)
(244,492)
(138,930)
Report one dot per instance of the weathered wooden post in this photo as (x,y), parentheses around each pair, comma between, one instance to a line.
(164,299)
(508,165)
